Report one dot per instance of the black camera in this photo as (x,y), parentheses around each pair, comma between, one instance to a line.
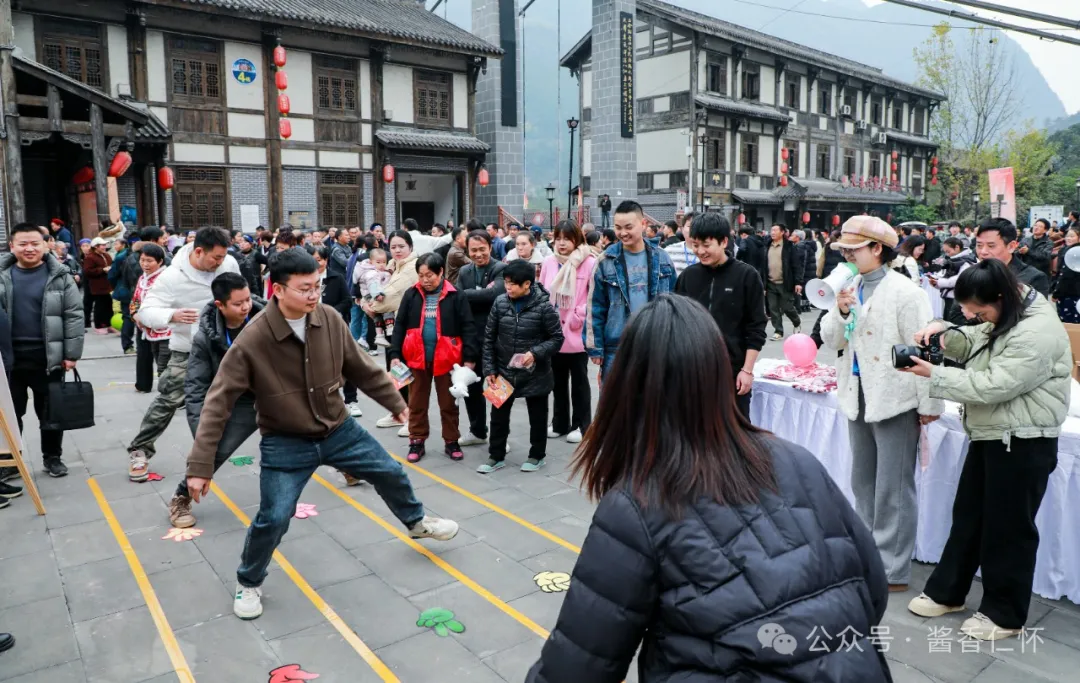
(931,353)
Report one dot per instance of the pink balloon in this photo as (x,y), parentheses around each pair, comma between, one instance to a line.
(800,350)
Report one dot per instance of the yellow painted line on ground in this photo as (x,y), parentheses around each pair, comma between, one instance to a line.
(489,505)
(438,561)
(168,638)
(328,612)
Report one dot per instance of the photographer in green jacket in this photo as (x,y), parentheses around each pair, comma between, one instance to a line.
(1014,387)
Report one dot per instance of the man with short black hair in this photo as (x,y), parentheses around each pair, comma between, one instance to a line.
(176,300)
(44,306)
(996,239)
(340,253)
(782,281)
(481,281)
(628,275)
(731,291)
(456,256)
(302,418)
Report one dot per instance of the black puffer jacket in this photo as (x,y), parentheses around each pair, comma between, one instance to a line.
(535,328)
(1067,280)
(208,347)
(705,593)
(808,258)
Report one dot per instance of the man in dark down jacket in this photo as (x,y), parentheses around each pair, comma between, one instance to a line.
(220,322)
(40,297)
(481,281)
(782,276)
(523,333)
(790,589)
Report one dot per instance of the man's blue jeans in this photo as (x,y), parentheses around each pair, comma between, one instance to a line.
(358,322)
(287,465)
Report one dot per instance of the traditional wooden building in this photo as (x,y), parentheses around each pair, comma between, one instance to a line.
(191,84)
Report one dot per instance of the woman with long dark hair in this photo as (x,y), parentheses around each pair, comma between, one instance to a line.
(723,548)
(566,275)
(1014,388)
(1066,287)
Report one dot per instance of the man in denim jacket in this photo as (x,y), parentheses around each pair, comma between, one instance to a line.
(629,274)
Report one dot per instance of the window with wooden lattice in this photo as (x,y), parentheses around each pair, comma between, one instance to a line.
(195,70)
(201,197)
(339,199)
(75,49)
(432,98)
(335,85)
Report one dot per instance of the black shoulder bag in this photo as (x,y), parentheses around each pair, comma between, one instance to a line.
(71,404)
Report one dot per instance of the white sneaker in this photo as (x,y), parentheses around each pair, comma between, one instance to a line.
(471,440)
(373,352)
(404,431)
(552,434)
(574,436)
(387,421)
(925,607)
(248,602)
(354,409)
(381,340)
(433,527)
(363,344)
(980,626)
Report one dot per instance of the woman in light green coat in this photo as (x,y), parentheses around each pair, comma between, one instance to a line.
(1014,388)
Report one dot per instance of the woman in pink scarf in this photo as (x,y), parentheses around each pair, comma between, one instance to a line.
(566,275)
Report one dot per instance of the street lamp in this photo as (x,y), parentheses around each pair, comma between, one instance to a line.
(975,200)
(1078,194)
(704,140)
(572,124)
(550,189)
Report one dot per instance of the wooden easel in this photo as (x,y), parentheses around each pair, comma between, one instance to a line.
(12,444)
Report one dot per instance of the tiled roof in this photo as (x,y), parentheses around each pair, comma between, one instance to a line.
(403,19)
(820,189)
(68,84)
(413,138)
(909,139)
(741,35)
(758,196)
(743,108)
(154,130)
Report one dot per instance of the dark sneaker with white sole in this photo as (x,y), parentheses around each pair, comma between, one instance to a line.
(55,468)
(9,473)
(10,491)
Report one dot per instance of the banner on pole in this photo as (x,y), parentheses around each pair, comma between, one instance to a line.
(1003,194)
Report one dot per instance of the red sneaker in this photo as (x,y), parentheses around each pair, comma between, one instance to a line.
(453,451)
(416,450)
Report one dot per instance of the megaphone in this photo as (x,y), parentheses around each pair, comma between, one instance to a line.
(822,293)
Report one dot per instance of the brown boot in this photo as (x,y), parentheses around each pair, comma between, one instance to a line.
(180,515)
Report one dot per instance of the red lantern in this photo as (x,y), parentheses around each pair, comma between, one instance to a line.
(783,181)
(388,173)
(742,219)
(933,161)
(895,155)
(933,181)
(784,167)
(784,153)
(279,56)
(893,167)
(285,128)
(165,178)
(806,217)
(483,178)
(933,170)
(283,104)
(894,177)
(120,164)
(836,220)
(281,80)
(83,175)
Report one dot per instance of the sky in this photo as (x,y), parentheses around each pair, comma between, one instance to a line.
(1057,61)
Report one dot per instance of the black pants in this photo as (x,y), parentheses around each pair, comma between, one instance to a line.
(87,305)
(571,390)
(743,403)
(476,407)
(369,333)
(150,355)
(538,421)
(993,527)
(28,374)
(102,304)
(350,392)
(127,330)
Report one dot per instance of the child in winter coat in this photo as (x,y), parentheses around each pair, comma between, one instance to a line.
(373,276)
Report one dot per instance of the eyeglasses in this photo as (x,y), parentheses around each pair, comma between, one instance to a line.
(313,293)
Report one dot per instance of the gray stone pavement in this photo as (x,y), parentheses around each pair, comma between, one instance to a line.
(70,594)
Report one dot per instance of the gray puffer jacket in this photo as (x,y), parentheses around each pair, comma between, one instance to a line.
(62,310)
(208,347)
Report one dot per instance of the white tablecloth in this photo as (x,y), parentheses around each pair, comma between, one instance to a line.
(815,422)
(937,304)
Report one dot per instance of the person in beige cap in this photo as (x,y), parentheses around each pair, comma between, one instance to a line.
(880,308)
(96,266)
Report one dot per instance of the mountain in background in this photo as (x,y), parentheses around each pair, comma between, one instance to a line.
(883,36)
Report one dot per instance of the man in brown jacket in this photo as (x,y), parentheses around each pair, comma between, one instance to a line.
(293,357)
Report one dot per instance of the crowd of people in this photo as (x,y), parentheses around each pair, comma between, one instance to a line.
(674,316)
